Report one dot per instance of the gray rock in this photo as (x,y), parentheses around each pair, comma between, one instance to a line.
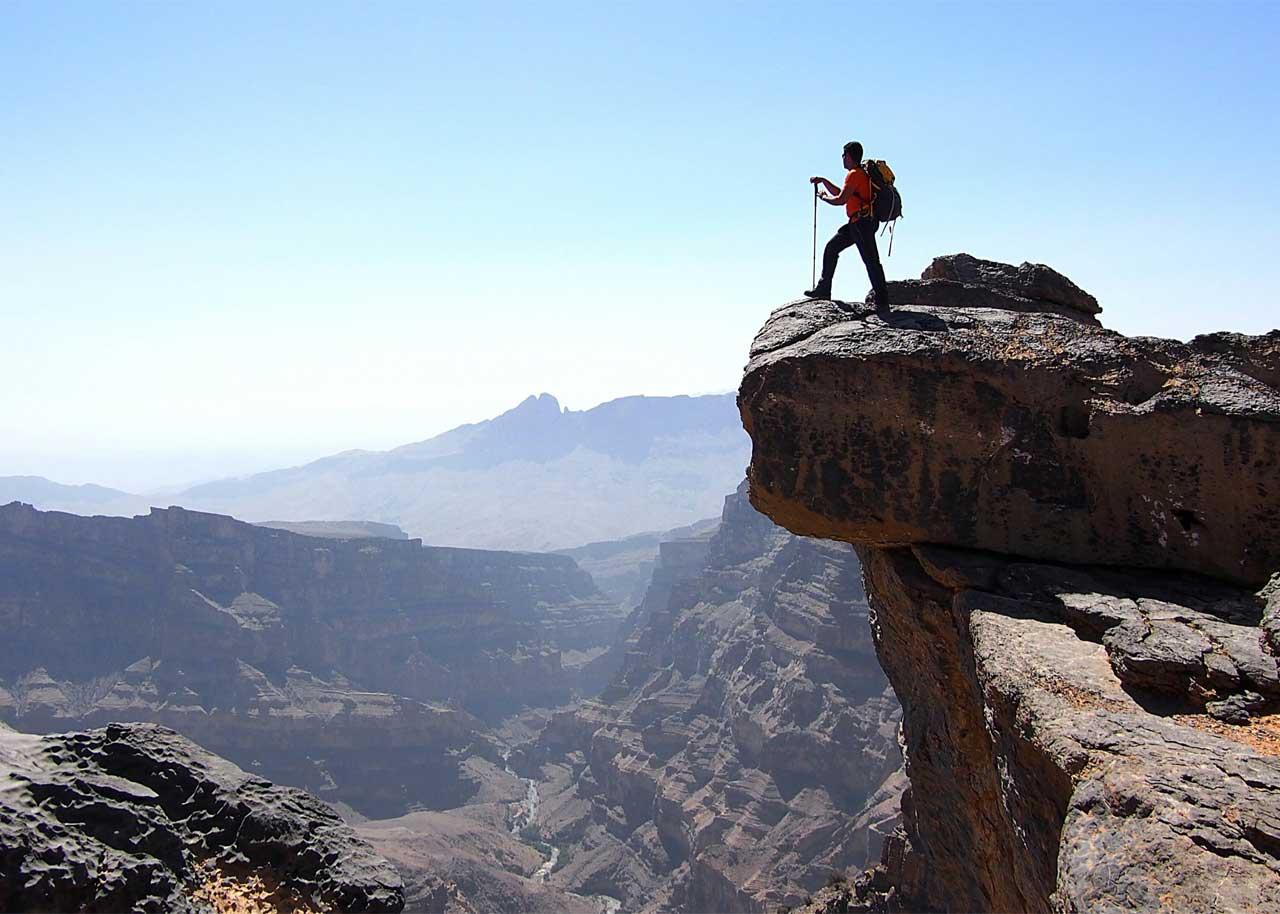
(1237,708)
(1271,616)
(948,293)
(1256,356)
(126,817)
(1028,281)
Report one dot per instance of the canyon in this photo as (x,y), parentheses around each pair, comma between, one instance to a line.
(747,748)
(992,625)
(1069,539)
(408,687)
(364,670)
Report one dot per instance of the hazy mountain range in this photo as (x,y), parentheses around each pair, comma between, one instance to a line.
(536,477)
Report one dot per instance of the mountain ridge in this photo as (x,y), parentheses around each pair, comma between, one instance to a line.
(536,477)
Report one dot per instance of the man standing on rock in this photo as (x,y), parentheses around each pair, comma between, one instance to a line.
(860,229)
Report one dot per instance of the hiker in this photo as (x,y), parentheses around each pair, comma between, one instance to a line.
(860,229)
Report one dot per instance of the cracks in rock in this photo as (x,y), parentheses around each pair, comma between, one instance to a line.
(1189,521)
(1265,842)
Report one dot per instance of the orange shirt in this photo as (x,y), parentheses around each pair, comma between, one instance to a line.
(857,192)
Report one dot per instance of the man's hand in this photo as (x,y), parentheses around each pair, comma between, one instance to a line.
(831,188)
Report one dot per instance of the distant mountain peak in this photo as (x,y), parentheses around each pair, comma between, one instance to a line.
(537,404)
(537,476)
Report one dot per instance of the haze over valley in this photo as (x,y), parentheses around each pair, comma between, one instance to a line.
(536,477)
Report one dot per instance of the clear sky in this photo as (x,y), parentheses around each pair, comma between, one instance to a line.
(235,235)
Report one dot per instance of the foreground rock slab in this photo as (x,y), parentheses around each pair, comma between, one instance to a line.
(136,818)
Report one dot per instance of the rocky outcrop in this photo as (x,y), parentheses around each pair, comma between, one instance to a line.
(964,281)
(1019,433)
(136,818)
(349,667)
(1063,533)
(735,760)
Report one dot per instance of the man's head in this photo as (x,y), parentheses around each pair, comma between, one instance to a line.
(852,154)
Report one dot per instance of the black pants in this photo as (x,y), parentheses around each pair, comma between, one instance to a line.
(861,232)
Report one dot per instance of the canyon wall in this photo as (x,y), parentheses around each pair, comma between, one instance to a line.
(359,669)
(739,757)
(1067,537)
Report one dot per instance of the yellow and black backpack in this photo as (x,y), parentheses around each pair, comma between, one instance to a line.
(886,202)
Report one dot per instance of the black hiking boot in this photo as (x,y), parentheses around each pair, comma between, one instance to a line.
(821,290)
(879,303)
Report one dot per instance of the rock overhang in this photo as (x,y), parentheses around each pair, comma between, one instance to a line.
(1024,432)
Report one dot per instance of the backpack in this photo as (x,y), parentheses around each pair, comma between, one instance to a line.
(886,202)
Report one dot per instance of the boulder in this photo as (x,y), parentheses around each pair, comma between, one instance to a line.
(1032,281)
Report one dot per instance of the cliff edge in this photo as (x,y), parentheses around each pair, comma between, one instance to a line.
(1067,537)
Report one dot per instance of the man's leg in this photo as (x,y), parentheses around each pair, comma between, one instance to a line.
(844,238)
(866,240)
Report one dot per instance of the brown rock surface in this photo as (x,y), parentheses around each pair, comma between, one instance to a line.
(1020,433)
(1082,732)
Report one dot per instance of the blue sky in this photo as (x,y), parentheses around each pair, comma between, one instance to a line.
(236,235)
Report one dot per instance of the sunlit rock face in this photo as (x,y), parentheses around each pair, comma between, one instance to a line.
(1063,531)
(741,754)
(1027,433)
(355,668)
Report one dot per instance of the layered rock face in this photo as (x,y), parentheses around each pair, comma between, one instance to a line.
(1031,434)
(733,763)
(136,818)
(1063,532)
(350,667)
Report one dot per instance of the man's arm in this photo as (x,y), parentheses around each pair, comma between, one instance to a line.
(831,188)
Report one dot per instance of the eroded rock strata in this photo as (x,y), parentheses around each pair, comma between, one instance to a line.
(1064,533)
(350,667)
(1030,434)
(136,818)
(738,757)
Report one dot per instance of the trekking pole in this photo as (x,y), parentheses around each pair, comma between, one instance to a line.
(813,273)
